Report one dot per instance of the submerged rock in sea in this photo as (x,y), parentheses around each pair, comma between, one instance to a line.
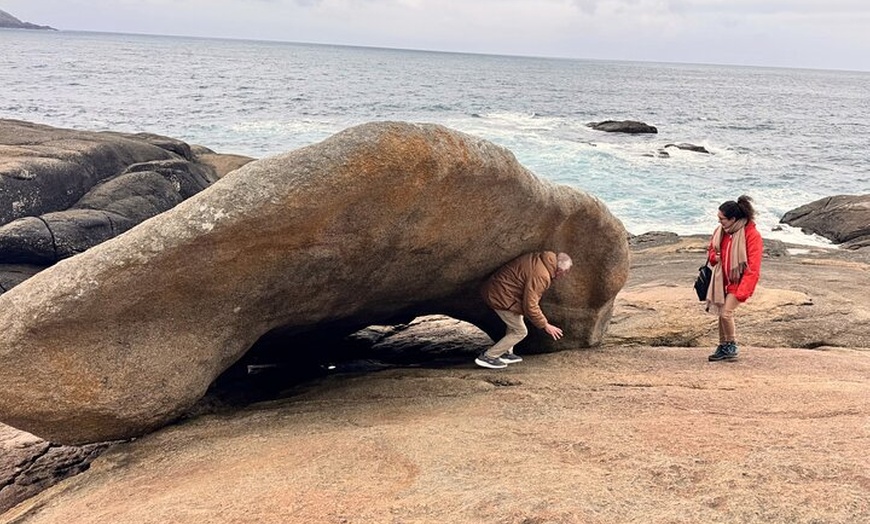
(380,222)
(689,147)
(843,219)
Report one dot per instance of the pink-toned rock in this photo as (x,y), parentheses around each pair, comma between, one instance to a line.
(610,435)
(807,300)
(29,464)
(380,221)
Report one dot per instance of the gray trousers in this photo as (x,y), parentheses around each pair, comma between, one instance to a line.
(515,332)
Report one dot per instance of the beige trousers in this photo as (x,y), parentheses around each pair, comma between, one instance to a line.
(727,329)
(515,332)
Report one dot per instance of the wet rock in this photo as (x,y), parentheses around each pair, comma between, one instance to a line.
(109,209)
(45,169)
(689,147)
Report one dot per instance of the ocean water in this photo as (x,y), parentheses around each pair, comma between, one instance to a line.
(784,136)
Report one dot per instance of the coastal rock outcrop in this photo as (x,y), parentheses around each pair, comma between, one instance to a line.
(380,222)
(843,219)
(63,191)
(45,169)
(112,207)
(612,435)
(7,21)
(428,362)
(623,126)
(790,308)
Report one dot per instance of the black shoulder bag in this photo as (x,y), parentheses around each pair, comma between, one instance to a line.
(703,281)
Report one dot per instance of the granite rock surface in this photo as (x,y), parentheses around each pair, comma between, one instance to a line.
(63,191)
(379,223)
(843,219)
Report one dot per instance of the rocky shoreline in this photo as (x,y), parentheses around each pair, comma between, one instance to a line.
(655,345)
(808,298)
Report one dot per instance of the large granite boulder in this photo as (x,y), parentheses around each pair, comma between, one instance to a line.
(843,219)
(379,222)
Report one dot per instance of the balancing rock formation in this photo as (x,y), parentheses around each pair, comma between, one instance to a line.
(379,222)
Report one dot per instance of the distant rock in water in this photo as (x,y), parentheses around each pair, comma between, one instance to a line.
(663,153)
(7,21)
(689,147)
(622,126)
(380,222)
(842,219)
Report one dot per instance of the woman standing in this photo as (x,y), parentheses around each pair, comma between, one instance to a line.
(734,254)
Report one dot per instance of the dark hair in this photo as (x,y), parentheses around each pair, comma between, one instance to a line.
(740,209)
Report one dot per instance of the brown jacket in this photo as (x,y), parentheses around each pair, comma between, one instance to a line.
(519,285)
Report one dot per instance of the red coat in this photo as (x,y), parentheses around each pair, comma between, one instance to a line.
(744,288)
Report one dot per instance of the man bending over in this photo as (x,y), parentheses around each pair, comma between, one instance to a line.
(515,291)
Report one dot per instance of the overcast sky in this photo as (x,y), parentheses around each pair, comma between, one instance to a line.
(824,34)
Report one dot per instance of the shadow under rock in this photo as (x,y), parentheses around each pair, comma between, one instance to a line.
(274,368)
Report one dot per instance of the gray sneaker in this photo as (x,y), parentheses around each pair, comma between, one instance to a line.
(488,362)
(719,354)
(731,350)
(510,358)
(724,351)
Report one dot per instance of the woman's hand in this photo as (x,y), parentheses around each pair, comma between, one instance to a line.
(713,258)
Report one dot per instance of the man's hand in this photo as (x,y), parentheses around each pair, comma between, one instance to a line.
(553,331)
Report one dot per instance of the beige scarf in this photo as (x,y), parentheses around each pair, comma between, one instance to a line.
(737,261)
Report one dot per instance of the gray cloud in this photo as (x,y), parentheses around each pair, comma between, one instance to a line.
(790,33)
